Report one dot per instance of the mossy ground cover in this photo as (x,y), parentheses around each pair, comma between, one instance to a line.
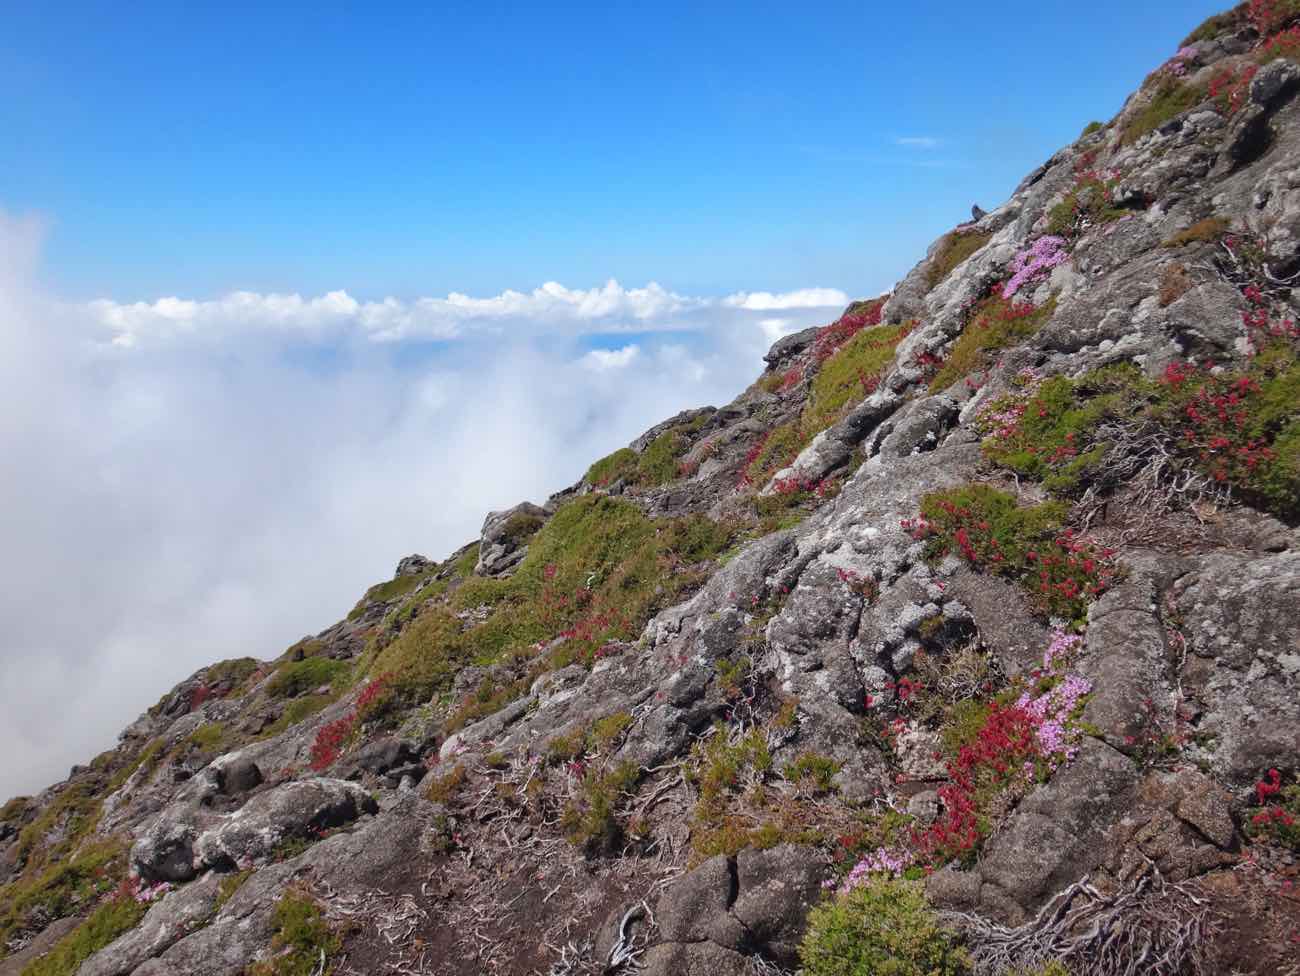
(593,574)
(995,323)
(297,677)
(114,917)
(303,939)
(658,464)
(955,247)
(1240,426)
(64,887)
(1169,99)
(845,378)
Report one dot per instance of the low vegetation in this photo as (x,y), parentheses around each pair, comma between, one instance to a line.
(995,323)
(954,248)
(114,917)
(303,943)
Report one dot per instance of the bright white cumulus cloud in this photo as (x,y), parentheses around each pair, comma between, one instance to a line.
(197,479)
(608,308)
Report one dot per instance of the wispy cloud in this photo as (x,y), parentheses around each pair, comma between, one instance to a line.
(602,360)
(918,142)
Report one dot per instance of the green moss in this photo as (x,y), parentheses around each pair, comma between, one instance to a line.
(299,710)
(62,889)
(147,759)
(1172,98)
(995,324)
(302,938)
(1203,231)
(955,247)
(235,670)
(608,730)
(656,465)
(883,928)
(520,527)
(227,887)
(1090,128)
(109,921)
(296,677)
(72,815)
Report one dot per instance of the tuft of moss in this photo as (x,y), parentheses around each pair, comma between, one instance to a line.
(227,887)
(1171,99)
(883,927)
(812,769)
(956,247)
(297,677)
(1218,24)
(207,737)
(996,323)
(385,592)
(109,921)
(302,938)
(520,527)
(1203,231)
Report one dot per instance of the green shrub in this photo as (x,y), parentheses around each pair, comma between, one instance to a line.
(302,938)
(843,380)
(1086,204)
(883,928)
(813,768)
(296,677)
(393,589)
(207,737)
(110,920)
(590,820)
(1090,128)
(955,247)
(614,467)
(1172,98)
(520,527)
(1217,24)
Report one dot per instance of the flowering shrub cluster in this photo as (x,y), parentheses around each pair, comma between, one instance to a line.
(1230,86)
(1089,201)
(1285,44)
(831,337)
(198,695)
(1180,62)
(988,529)
(993,323)
(1270,16)
(1009,749)
(1035,262)
(799,483)
(1277,817)
(329,742)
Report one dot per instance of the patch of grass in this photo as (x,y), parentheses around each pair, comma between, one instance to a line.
(849,376)
(14,809)
(1172,98)
(445,787)
(207,737)
(520,527)
(1203,231)
(385,592)
(1090,128)
(1087,204)
(883,927)
(298,677)
(995,323)
(299,710)
(147,759)
(721,767)
(235,670)
(814,770)
(593,574)
(656,465)
(72,816)
(302,938)
(620,465)
(956,247)
(110,920)
(590,820)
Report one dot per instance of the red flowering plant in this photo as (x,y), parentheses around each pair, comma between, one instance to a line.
(1230,86)
(1276,816)
(831,337)
(1270,16)
(989,530)
(330,739)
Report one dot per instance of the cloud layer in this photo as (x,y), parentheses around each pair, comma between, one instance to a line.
(196,480)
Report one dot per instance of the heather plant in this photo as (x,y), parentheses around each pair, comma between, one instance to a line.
(812,770)
(1218,24)
(1270,16)
(1034,263)
(994,323)
(1089,202)
(1276,817)
(1230,86)
(1062,572)
(954,248)
(882,928)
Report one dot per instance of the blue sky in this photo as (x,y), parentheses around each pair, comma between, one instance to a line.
(410,149)
(290,291)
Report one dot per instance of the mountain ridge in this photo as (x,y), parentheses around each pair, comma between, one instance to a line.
(985,591)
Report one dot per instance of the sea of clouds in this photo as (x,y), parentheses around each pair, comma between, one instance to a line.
(190,480)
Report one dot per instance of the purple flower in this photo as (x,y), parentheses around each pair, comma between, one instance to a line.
(1035,262)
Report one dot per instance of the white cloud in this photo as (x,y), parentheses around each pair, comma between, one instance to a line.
(187,483)
(601,360)
(765,301)
(919,142)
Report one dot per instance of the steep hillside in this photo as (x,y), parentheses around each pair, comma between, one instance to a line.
(968,638)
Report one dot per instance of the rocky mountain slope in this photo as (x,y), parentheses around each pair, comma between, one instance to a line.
(968,637)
